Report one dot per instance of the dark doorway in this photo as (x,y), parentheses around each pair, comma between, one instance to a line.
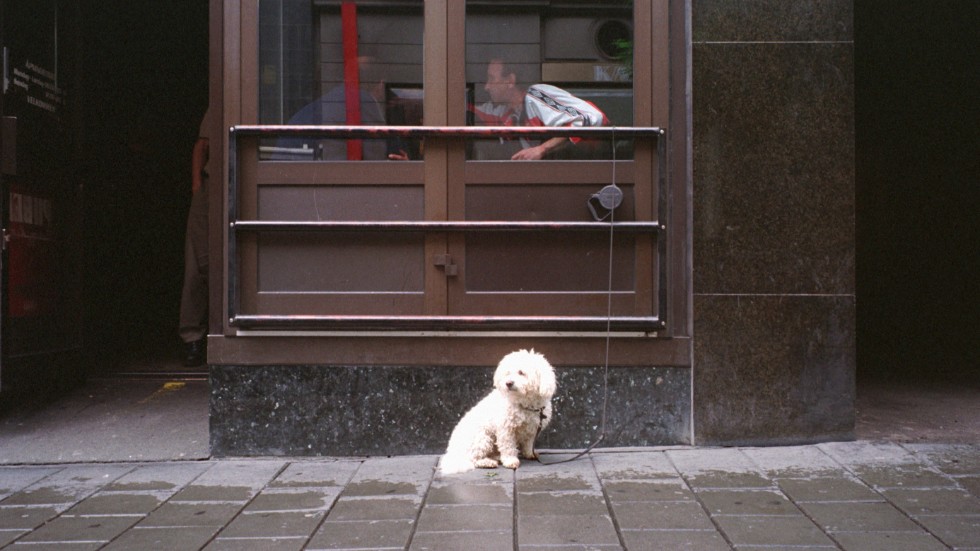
(918,170)
(142,94)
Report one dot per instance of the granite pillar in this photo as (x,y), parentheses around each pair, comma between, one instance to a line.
(774,238)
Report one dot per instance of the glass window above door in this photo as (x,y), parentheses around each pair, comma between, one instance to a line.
(545,64)
(340,63)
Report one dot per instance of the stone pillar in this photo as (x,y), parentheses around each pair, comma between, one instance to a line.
(774,217)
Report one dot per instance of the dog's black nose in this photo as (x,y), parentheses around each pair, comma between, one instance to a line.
(510,384)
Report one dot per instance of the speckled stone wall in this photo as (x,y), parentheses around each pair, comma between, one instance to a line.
(774,211)
(320,410)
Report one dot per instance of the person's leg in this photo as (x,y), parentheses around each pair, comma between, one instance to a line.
(194,296)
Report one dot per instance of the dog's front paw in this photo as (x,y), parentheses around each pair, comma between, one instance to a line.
(510,462)
(487,463)
(531,455)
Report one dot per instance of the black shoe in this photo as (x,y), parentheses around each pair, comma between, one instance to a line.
(195,353)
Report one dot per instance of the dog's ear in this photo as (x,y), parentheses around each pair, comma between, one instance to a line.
(547,385)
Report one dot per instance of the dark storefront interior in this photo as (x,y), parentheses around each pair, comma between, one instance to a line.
(142,91)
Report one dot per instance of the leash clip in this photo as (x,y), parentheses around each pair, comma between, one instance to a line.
(609,198)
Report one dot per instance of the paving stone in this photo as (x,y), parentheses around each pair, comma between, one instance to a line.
(391,508)
(477,476)
(293,499)
(381,488)
(80,529)
(718,468)
(633,465)
(316,473)
(566,530)
(866,452)
(273,524)
(772,531)
(662,515)
(7,535)
(746,502)
(794,461)
(191,514)
(446,518)
(858,517)
(41,496)
(954,530)
(694,460)
(415,470)
(970,483)
(573,547)
(555,483)
(426,541)
(723,479)
(828,547)
(215,493)
(57,546)
(256,544)
(253,473)
(953,459)
(13,479)
(565,503)
(903,477)
(68,485)
(671,540)
(158,476)
(581,467)
(934,501)
(666,489)
(25,518)
(888,541)
(827,489)
(164,539)
(116,504)
(471,494)
(374,534)
(576,475)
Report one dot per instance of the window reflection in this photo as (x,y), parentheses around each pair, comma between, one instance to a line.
(537,65)
(340,63)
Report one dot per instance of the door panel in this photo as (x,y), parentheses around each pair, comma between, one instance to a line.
(384,61)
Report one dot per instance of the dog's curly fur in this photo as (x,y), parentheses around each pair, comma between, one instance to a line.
(505,423)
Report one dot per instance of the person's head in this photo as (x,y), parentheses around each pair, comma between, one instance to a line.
(371,76)
(502,83)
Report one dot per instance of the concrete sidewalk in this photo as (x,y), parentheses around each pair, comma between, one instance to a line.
(856,495)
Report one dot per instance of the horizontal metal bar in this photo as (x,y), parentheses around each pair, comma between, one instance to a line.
(440,226)
(433,323)
(379,131)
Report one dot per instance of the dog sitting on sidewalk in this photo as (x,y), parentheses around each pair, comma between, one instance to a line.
(507,421)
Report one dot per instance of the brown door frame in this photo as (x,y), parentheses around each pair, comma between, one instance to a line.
(652,91)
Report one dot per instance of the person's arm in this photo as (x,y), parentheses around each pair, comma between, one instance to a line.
(547,105)
(199,158)
(538,152)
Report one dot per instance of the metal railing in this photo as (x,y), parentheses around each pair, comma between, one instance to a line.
(434,323)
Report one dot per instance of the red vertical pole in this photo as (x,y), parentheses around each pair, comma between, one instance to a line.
(352,77)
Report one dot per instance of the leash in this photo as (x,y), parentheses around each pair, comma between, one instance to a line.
(609,197)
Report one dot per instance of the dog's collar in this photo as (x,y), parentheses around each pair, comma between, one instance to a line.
(539,411)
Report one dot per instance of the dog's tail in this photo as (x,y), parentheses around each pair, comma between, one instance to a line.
(455,464)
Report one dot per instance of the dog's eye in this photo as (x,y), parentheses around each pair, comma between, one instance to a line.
(520,372)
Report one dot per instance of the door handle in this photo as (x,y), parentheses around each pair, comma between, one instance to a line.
(445,261)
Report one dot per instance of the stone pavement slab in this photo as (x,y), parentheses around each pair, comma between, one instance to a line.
(850,495)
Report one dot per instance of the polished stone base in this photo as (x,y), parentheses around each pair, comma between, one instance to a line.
(328,410)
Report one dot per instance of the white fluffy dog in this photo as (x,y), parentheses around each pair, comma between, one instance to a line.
(508,420)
